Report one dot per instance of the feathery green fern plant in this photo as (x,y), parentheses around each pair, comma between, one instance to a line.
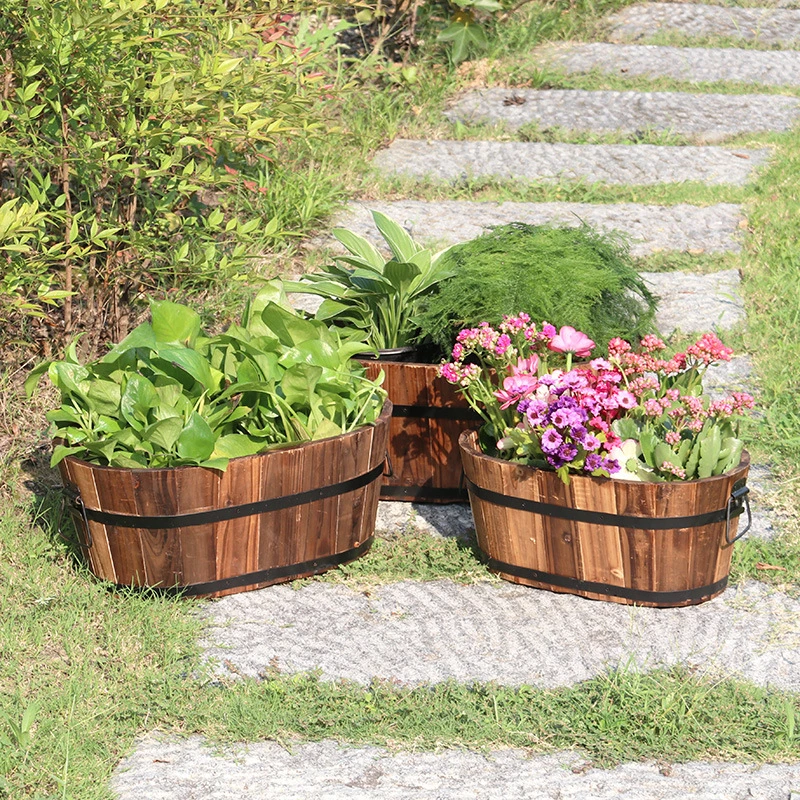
(568,276)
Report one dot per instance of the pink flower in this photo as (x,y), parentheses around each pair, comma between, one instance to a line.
(514,389)
(526,366)
(548,330)
(568,340)
(626,399)
(617,346)
(502,344)
(651,343)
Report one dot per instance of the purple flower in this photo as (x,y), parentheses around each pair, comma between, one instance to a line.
(535,411)
(611,465)
(593,462)
(567,451)
(551,440)
(561,417)
(578,432)
(591,443)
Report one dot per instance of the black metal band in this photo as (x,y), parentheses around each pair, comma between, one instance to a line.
(732,509)
(610,589)
(229,512)
(423,493)
(262,576)
(435,412)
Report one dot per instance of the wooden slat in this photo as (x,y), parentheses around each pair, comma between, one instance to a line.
(79,475)
(116,490)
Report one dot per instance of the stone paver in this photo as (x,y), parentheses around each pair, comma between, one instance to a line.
(684,227)
(168,769)
(763,67)
(549,163)
(689,302)
(706,117)
(446,520)
(416,633)
(767,26)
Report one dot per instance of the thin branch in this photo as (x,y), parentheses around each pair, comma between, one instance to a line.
(65,188)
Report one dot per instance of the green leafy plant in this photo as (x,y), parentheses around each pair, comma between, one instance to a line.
(24,278)
(136,128)
(464,34)
(568,276)
(374,294)
(20,732)
(167,395)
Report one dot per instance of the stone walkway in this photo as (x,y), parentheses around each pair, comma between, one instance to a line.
(703,117)
(765,68)
(416,633)
(189,770)
(764,26)
(626,164)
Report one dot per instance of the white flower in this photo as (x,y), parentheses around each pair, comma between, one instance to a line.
(623,453)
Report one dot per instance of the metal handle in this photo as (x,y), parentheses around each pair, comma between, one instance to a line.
(72,499)
(736,501)
(388,460)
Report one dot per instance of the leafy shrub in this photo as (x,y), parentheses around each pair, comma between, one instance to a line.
(568,276)
(130,124)
(169,396)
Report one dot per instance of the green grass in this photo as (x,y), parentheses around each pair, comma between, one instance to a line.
(480,188)
(701,263)
(88,667)
(621,716)
(410,556)
(528,72)
(678,39)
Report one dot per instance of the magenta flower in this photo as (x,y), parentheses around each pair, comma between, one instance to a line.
(551,440)
(568,340)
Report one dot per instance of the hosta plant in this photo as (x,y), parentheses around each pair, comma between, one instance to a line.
(380,296)
(168,395)
(632,415)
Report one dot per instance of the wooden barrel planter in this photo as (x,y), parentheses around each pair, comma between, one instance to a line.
(273,517)
(429,415)
(651,544)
